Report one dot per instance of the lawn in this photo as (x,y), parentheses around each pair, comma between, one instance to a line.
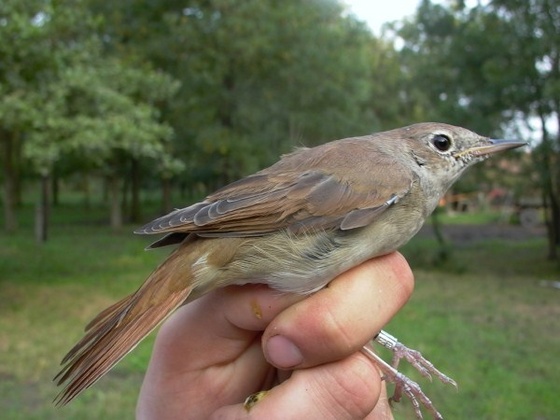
(482,317)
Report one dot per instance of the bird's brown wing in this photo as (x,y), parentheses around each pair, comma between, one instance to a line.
(335,186)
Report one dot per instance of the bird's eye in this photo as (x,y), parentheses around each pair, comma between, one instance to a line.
(441,142)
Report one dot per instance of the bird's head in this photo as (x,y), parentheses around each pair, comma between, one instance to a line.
(444,151)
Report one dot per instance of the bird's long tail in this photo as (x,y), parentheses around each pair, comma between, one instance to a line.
(118,329)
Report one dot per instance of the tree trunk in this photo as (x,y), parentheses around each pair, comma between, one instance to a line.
(42,211)
(554,227)
(135,209)
(548,173)
(10,181)
(105,192)
(444,248)
(125,187)
(86,188)
(17,160)
(165,195)
(55,184)
(113,189)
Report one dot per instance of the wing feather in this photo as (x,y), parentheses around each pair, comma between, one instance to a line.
(320,188)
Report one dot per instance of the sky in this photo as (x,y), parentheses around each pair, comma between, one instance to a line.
(376,13)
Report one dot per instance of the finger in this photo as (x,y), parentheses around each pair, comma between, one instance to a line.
(215,343)
(347,389)
(338,320)
(194,394)
(382,410)
(227,318)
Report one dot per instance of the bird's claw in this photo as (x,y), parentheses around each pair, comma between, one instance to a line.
(403,384)
(414,357)
(406,386)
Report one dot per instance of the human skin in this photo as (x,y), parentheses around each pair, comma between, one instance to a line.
(214,352)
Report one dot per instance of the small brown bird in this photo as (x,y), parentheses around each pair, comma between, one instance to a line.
(293,226)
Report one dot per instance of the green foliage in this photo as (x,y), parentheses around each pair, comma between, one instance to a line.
(108,114)
(257,77)
(142,90)
(493,66)
(64,96)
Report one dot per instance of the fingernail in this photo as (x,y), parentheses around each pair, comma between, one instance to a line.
(282,353)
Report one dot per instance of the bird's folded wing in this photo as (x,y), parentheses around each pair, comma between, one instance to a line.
(304,191)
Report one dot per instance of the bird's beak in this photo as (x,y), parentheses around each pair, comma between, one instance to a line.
(493,146)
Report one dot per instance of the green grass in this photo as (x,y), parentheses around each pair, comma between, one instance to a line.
(481,317)
(497,334)
(47,294)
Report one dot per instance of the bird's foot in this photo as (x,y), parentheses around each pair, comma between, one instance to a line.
(403,384)
(414,357)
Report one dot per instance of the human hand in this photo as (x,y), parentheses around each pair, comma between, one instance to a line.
(214,352)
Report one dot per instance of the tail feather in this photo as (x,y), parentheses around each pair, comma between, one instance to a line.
(99,327)
(108,313)
(113,333)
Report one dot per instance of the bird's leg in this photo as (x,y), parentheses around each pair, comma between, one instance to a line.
(403,384)
(414,357)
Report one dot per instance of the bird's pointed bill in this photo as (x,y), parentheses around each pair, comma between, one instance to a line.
(493,146)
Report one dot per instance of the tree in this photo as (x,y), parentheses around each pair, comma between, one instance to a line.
(488,67)
(20,99)
(62,96)
(535,40)
(109,120)
(257,77)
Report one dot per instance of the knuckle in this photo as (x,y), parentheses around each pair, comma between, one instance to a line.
(352,391)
